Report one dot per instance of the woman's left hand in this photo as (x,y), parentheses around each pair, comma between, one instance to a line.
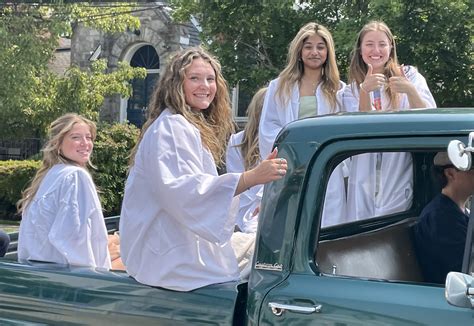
(400,84)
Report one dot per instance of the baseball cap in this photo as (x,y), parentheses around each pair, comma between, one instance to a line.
(442,159)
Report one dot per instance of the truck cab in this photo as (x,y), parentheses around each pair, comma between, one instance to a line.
(363,271)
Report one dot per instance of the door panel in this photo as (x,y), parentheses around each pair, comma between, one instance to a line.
(350,301)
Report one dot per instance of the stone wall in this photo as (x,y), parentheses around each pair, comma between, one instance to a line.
(157,29)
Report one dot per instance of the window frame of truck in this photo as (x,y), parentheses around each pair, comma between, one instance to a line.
(342,299)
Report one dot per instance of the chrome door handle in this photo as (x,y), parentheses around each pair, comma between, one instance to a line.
(278,309)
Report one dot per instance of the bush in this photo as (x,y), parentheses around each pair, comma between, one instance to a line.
(111,152)
(14,178)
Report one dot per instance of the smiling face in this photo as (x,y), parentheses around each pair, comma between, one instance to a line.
(77,144)
(375,49)
(314,52)
(199,84)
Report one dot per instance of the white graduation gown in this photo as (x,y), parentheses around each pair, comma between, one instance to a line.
(64,222)
(275,115)
(250,199)
(390,190)
(178,214)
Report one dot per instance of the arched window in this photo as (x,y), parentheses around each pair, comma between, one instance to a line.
(147,58)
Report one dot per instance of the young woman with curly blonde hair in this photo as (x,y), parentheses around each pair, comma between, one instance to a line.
(178,214)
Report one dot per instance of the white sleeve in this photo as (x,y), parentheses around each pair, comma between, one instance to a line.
(421,86)
(78,212)
(340,97)
(270,122)
(186,181)
(233,158)
(351,98)
(396,184)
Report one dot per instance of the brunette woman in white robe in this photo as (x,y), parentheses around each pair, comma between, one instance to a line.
(178,214)
(308,86)
(381,183)
(62,219)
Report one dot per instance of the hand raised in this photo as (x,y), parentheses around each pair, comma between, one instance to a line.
(270,169)
(370,70)
(401,84)
(372,81)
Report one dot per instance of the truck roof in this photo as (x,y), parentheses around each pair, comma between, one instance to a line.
(378,124)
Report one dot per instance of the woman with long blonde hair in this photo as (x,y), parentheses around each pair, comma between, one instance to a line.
(308,86)
(62,219)
(375,68)
(243,154)
(178,214)
(381,183)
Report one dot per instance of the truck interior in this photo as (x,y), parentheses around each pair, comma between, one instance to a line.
(380,247)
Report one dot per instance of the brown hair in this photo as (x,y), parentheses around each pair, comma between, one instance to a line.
(215,123)
(294,69)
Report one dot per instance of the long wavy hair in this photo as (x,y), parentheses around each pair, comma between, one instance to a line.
(358,68)
(52,153)
(214,123)
(249,146)
(294,70)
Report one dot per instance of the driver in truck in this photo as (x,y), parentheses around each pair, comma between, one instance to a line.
(440,234)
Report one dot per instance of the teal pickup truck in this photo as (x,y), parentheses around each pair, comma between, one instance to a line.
(363,272)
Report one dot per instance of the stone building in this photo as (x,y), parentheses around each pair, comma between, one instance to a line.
(149,47)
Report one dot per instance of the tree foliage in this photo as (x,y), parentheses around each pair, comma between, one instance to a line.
(30,95)
(80,91)
(111,154)
(251,38)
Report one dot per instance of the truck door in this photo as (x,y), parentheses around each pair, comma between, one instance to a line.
(364,271)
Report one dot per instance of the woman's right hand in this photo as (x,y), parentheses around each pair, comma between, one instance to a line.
(372,81)
(271,169)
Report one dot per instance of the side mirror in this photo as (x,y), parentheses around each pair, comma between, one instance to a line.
(460,155)
(459,290)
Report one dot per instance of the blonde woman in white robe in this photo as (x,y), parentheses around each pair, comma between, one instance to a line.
(308,86)
(62,219)
(381,183)
(178,214)
(243,154)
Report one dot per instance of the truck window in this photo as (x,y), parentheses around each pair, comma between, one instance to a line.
(384,242)
(374,239)
(368,185)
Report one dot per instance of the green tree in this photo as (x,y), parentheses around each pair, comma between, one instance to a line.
(251,38)
(80,91)
(437,38)
(30,95)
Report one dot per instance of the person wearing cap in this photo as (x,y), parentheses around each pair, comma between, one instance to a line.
(440,234)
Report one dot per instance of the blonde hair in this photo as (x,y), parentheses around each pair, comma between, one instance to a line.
(214,123)
(294,69)
(52,153)
(249,146)
(358,68)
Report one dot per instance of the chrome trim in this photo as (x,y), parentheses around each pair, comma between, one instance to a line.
(278,308)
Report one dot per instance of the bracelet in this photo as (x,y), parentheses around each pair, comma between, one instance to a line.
(362,88)
(243,181)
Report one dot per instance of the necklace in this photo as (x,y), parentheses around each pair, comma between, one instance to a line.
(314,84)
